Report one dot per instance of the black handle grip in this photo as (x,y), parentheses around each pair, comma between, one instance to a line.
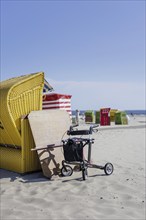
(71,131)
(78,132)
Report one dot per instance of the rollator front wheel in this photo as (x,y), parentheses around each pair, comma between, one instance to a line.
(108,168)
(66,170)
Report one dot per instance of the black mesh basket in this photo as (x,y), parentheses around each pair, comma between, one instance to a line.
(73,151)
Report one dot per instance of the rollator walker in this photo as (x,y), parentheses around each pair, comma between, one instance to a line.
(73,153)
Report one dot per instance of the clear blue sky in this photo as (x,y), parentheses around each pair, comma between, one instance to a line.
(93,50)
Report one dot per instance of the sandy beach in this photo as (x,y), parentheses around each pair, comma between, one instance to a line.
(120,196)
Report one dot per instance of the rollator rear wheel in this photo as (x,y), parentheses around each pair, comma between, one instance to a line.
(108,168)
(84,173)
(66,171)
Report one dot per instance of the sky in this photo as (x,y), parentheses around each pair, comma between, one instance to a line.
(92,50)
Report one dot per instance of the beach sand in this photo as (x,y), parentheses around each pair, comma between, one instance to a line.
(119,196)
